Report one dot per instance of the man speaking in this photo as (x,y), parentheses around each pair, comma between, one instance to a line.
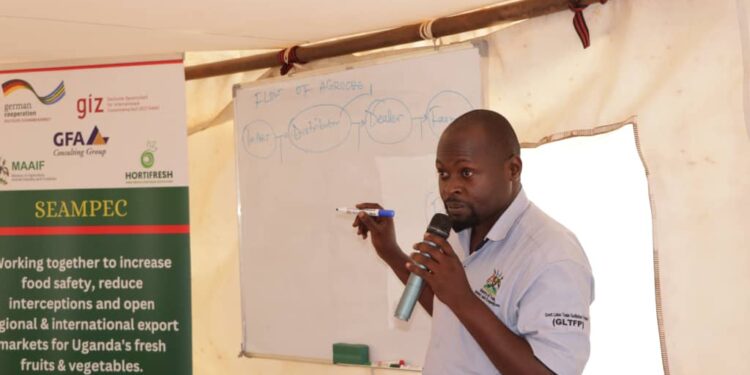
(514,298)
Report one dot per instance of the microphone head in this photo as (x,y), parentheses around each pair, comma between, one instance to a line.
(440,225)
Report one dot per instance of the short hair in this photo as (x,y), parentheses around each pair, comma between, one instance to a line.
(497,128)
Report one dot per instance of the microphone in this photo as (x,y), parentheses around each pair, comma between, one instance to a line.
(440,225)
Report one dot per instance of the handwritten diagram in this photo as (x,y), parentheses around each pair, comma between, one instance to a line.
(323,127)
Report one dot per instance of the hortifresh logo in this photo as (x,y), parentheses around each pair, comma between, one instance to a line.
(4,172)
(14,85)
(147,157)
(148,176)
(489,290)
(73,141)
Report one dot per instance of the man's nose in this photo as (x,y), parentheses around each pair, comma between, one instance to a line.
(451,186)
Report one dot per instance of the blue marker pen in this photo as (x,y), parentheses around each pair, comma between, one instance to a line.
(369,211)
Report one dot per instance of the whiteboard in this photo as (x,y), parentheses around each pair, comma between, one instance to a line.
(313,142)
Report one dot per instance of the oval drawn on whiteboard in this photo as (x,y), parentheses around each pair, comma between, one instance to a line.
(320,128)
(388,121)
(258,139)
(445,107)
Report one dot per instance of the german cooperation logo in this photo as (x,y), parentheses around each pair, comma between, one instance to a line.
(25,111)
(14,85)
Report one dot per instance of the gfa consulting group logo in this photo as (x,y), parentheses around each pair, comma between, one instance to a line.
(25,111)
(74,143)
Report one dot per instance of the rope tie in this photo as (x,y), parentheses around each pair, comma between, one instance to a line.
(425,30)
(288,59)
(579,23)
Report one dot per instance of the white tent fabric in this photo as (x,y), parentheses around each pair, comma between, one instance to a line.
(45,30)
(677,67)
(674,67)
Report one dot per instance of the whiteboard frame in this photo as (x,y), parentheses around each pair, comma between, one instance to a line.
(479,44)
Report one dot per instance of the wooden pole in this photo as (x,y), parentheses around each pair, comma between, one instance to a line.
(505,12)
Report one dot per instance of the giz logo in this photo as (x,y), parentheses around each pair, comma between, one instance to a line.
(92,104)
(76,138)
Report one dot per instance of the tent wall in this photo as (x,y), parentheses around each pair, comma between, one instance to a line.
(677,66)
(674,66)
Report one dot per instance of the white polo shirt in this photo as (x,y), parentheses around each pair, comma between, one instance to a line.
(533,274)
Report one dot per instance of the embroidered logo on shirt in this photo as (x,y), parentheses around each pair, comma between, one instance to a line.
(489,290)
(493,283)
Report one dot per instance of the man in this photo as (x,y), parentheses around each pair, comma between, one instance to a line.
(515,298)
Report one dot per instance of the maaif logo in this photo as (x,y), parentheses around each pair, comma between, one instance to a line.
(14,85)
(4,172)
(77,139)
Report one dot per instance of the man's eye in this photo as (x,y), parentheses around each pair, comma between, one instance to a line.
(466,172)
(442,174)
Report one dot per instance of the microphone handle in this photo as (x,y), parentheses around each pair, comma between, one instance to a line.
(411,293)
(409,298)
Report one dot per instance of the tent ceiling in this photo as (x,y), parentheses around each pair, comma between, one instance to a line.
(44,30)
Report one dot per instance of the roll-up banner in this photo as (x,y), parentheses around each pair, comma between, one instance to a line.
(94,232)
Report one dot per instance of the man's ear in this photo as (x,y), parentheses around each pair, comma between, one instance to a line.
(515,166)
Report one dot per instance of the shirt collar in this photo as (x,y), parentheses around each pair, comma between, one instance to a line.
(502,226)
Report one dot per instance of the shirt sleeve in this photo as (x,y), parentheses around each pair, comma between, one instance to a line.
(553,316)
